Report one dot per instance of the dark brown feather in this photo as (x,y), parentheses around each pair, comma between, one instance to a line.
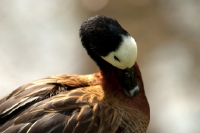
(48,123)
(14,128)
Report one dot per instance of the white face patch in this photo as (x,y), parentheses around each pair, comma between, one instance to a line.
(125,56)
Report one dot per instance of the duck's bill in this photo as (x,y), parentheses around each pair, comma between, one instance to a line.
(129,83)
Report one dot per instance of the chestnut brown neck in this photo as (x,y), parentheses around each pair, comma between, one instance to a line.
(111,82)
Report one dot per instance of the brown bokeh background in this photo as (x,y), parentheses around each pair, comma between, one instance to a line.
(39,38)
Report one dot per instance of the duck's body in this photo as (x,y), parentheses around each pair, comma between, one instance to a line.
(95,103)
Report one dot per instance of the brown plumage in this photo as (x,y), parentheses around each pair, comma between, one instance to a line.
(94,103)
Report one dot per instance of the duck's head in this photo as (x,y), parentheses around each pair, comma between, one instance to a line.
(106,41)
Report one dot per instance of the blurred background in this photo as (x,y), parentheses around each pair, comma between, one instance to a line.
(39,38)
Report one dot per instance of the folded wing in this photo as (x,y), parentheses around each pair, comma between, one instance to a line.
(62,103)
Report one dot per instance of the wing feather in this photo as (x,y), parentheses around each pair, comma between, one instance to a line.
(59,103)
(62,103)
(14,128)
(71,123)
(24,128)
(85,114)
(94,125)
(48,123)
(81,126)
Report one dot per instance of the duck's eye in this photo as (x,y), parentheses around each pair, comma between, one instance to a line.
(117,59)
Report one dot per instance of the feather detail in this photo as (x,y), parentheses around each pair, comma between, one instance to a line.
(48,123)
(68,103)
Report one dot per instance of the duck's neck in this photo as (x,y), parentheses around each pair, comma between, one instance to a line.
(111,83)
(111,80)
(111,76)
